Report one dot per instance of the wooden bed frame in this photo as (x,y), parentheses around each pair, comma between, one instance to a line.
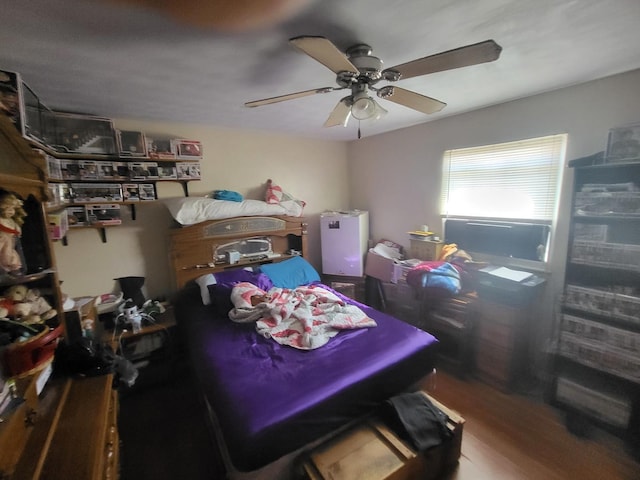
(192,248)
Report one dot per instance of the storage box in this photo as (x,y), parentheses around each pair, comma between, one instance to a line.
(58,225)
(77,216)
(371,451)
(379,267)
(104,214)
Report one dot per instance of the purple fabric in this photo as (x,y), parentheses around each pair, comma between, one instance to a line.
(229,278)
(271,399)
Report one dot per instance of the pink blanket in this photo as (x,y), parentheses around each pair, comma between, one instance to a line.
(305,317)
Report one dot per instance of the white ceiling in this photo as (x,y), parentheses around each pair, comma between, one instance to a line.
(120,61)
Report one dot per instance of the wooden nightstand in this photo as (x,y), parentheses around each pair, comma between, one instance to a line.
(151,338)
(425,249)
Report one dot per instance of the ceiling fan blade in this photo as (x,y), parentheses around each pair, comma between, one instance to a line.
(290,96)
(410,99)
(340,114)
(482,52)
(325,52)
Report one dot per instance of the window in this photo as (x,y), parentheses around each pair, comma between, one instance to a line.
(508,192)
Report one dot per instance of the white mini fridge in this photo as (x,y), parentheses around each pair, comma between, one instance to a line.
(344,238)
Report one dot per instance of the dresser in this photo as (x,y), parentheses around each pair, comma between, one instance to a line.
(63,428)
(68,431)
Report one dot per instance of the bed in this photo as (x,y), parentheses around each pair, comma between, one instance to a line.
(267,400)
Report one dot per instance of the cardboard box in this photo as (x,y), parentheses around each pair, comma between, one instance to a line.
(371,450)
(104,214)
(379,267)
(58,225)
(400,272)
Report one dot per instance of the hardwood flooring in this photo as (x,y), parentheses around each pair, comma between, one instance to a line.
(506,436)
(510,436)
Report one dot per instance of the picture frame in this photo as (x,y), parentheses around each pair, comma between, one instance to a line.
(623,144)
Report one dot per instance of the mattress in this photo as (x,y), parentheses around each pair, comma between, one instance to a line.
(271,399)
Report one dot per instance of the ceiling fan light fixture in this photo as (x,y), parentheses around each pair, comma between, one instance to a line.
(363,108)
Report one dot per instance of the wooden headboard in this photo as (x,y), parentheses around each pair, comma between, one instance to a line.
(192,248)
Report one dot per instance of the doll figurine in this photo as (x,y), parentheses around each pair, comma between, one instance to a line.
(11,219)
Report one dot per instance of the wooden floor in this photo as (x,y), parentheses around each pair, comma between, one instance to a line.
(510,436)
(506,436)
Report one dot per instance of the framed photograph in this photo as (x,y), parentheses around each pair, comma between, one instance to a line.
(131,144)
(187,149)
(624,144)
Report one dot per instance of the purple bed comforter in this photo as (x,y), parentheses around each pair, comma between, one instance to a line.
(271,399)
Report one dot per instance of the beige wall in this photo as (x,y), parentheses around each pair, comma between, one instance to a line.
(396,176)
(311,170)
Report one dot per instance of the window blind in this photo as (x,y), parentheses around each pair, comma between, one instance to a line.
(515,180)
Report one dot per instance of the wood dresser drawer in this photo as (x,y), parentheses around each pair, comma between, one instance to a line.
(496,333)
(494,364)
(76,434)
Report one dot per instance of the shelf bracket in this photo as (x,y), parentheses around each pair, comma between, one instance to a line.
(132,208)
(185,188)
(103,234)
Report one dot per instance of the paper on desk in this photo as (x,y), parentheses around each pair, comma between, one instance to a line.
(387,252)
(508,274)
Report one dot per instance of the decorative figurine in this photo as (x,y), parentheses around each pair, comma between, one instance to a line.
(11,220)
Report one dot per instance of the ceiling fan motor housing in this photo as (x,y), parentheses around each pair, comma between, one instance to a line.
(370,67)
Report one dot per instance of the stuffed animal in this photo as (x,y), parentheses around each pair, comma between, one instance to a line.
(26,305)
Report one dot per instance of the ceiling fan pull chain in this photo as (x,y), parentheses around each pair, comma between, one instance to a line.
(359,130)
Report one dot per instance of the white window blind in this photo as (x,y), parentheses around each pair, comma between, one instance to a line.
(515,180)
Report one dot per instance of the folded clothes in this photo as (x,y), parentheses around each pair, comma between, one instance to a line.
(417,420)
(227,195)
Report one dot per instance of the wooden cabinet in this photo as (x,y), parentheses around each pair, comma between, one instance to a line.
(22,175)
(74,432)
(69,430)
(452,321)
(402,301)
(425,249)
(597,366)
(501,343)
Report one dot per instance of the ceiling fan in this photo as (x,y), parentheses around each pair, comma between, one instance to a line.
(359,71)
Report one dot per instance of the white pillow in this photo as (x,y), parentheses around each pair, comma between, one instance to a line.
(203,282)
(192,210)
